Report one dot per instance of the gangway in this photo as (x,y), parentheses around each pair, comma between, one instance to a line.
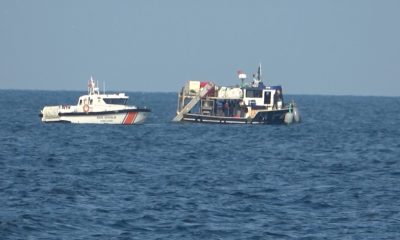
(185,109)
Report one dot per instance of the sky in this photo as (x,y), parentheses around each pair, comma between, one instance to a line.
(323,47)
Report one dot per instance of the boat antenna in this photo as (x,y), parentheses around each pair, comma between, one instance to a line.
(259,72)
(104,87)
(90,85)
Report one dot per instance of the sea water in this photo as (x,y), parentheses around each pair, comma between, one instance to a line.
(334,176)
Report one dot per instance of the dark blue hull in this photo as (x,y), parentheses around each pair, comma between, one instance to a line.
(263,117)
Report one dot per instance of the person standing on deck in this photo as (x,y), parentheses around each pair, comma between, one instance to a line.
(277,98)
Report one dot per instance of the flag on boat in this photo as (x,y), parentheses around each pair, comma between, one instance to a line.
(241,75)
(91,82)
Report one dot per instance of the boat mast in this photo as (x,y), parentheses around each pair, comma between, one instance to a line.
(90,86)
(92,89)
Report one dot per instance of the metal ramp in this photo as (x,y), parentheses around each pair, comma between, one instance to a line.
(193,102)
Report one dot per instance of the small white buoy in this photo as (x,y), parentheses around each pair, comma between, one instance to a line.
(288,118)
(296,115)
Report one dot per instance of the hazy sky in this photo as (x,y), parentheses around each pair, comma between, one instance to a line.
(345,47)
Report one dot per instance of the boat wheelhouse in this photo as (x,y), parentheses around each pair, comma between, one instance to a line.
(249,103)
(96,108)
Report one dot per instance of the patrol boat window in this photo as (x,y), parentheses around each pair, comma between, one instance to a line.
(119,101)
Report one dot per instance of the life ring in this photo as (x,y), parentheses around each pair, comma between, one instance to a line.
(86,108)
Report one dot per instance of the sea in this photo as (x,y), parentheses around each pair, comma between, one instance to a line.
(336,175)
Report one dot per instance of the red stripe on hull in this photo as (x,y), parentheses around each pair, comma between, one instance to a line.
(130,118)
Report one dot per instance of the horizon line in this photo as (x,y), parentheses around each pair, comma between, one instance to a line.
(145,91)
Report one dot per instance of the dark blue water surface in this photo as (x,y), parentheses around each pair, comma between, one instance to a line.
(334,176)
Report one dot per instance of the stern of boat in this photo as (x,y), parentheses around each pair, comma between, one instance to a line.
(50,114)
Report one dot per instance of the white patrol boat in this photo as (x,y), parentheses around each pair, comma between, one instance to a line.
(250,103)
(96,108)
